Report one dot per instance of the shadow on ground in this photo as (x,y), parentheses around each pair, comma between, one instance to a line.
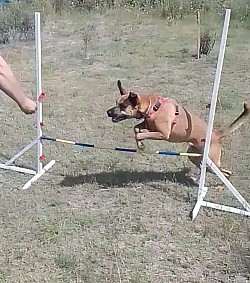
(241,259)
(122,178)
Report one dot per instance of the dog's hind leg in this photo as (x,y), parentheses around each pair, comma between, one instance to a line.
(165,128)
(214,155)
(196,161)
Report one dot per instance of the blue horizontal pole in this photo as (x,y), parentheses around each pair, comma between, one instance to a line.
(48,138)
(168,153)
(125,149)
(89,145)
(84,144)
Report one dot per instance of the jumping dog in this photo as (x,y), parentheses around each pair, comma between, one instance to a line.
(166,119)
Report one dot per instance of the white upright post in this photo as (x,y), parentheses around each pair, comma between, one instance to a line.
(214,97)
(206,160)
(39,91)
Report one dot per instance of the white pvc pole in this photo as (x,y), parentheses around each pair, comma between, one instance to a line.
(38,90)
(214,98)
(20,153)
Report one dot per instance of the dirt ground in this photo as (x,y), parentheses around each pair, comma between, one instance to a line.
(105,216)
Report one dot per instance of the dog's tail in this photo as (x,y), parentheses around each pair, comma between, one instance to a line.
(238,122)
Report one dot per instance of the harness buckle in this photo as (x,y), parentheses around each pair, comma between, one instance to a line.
(177,110)
(157,106)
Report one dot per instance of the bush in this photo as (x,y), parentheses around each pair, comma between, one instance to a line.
(15,23)
(207,42)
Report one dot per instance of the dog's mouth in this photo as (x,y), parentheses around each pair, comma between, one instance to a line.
(116,117)
(119,118)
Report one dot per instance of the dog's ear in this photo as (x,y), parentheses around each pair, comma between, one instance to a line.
(133,98)
(121,89)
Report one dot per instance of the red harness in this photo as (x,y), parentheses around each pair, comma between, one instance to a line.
(157,105)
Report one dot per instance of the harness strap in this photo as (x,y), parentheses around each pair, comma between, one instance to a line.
(159,103)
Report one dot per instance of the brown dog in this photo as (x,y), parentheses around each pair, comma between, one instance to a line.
(166,119)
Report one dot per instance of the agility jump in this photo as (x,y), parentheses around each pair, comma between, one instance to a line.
(206,161)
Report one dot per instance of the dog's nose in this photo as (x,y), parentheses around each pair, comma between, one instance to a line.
(109,112)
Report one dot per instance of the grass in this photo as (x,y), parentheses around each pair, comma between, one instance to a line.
(114,217)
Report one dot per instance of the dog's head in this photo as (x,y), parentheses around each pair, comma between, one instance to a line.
(127,106)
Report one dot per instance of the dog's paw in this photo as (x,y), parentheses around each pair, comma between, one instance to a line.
(140,145)
(137,130)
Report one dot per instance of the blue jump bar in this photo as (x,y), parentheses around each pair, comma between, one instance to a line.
(169,153)
(125,149)
(48,138)
(89,145)
(84,144)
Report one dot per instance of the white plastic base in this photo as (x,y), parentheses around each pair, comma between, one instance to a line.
(38,175)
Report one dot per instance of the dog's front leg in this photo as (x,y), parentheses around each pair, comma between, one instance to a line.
(140,128)
(150,136)
(163,133)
